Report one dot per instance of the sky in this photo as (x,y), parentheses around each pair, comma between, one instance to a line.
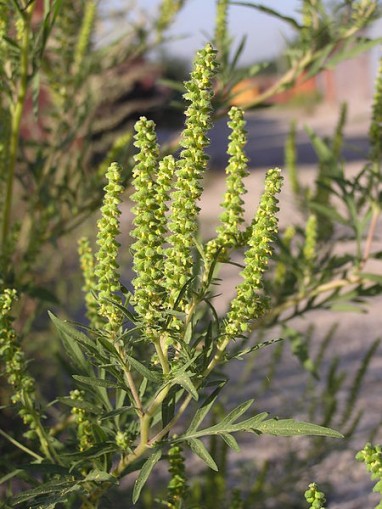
(195,24)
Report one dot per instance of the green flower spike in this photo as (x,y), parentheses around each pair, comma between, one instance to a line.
(229,234)
(177,486)
(375,131)
(249,304)
(167,11)
(371,455)
(15,366)
(281,268)
(310,246)
(221,38)
(89,286)
(84,37)
(314,497)
(84,429)
(151,196)
(106,269)
(190,169)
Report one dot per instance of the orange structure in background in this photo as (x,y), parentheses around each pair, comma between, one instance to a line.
(248,90)
(349,81)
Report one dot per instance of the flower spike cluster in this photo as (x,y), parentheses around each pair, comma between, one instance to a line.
(233,216)
(89,287)
(249,304)
(106,269)
(150,197)
(190,168)
(15,366)
(375,131)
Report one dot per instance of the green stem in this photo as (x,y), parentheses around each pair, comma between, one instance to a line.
(17,113)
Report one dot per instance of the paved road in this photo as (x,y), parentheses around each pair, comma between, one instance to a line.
(267,131)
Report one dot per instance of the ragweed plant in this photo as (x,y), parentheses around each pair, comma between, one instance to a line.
(150,363)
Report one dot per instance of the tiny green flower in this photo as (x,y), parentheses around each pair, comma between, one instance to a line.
(281,268)
(371,455)
(249,304)
(314,497)
(84,37)
(87,264)
(84,428)
(168,9)
(189,171)
(229,234)
(106,269)
(152,185)
(116,152)
(177,486)
(13,360)
(310,246)
(221,38)
(375,130)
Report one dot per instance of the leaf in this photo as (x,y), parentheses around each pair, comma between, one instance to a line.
(371,277)
(70,338)
(198,448)
(151,375)
(236,413)
(41,293)
(98,382)
(11,475)
(360,45)
(85,405)
(144,474)
(291,427)
(272,12)
(185,381)
(117,411)
(55,486)
(203,410)
(230,441)
(329,212)
(100,476)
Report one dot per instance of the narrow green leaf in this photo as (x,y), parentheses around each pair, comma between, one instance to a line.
(100,476)
(230,441)
(272,12)
(185,381)
(329,212)
(198,448)
(371,277)
(204,410)
(85,405)
(117,411)
(11,475)
(236,413)
(144,474)
(98,382)
(44,489)
(70,338)
(151,375)
(360,45)
(291,427)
